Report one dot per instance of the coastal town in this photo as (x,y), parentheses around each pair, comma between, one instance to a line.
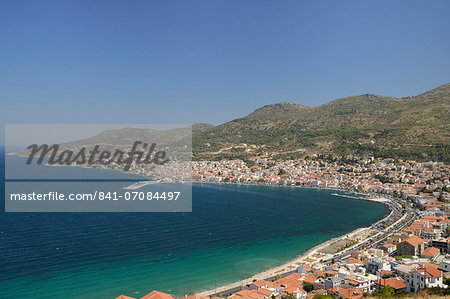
(408,251)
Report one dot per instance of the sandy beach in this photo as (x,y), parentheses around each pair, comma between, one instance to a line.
(312,255)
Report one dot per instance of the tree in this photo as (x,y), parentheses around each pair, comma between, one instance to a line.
(281,171)
(385,292)
(308,287)
(278,277)
(446,280)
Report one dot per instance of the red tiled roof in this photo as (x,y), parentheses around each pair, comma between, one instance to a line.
(396,283)
(351,293)
(294,283)
(310,278)
(124,297)
(157,295)
(265,292)
(431,251)
(256,294)
(353,283)
(244,293)
(271,284)
(196,297)
(429,270)
(414,241)
(352,260)
(289,278)
(319,272)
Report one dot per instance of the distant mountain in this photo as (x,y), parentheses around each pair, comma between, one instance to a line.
(128,136)
(412,127)
(177,141)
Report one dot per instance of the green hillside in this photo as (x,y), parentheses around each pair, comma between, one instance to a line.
(412,127)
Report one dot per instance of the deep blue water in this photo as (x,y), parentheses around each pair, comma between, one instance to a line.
(233,232)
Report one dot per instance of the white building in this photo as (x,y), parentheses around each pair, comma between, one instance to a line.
(427,276)
(445,265)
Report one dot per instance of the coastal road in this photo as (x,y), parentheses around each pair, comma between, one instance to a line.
(396,209)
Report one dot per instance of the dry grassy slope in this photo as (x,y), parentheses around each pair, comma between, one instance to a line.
(365,124)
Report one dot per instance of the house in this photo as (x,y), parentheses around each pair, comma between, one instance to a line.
(388,247)
(397,283)
(157,295)
(318,273)
(431,253)
(443,245)
(289,281)
(350,293)
(361,284)
(426,276)
(428,233)
(378,265)
(403,270)
(411,246)
(445,265)
(124,297)
(257,284)
(297,292)
(266,293)
(244,294)
(356,255)
(309,278)
(333,282)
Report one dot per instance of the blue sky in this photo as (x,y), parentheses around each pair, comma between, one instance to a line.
(210,61)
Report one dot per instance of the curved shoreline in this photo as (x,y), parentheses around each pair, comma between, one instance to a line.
(304,257)
(292,264)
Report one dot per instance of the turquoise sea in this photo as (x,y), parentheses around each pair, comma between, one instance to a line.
(233,232)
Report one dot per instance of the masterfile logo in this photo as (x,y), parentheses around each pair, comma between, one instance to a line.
(102,157)
(98,168)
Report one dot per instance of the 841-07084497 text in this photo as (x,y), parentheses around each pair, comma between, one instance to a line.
(139,195)
(97,195)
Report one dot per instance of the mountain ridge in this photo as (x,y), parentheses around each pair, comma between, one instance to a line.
(410,127)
